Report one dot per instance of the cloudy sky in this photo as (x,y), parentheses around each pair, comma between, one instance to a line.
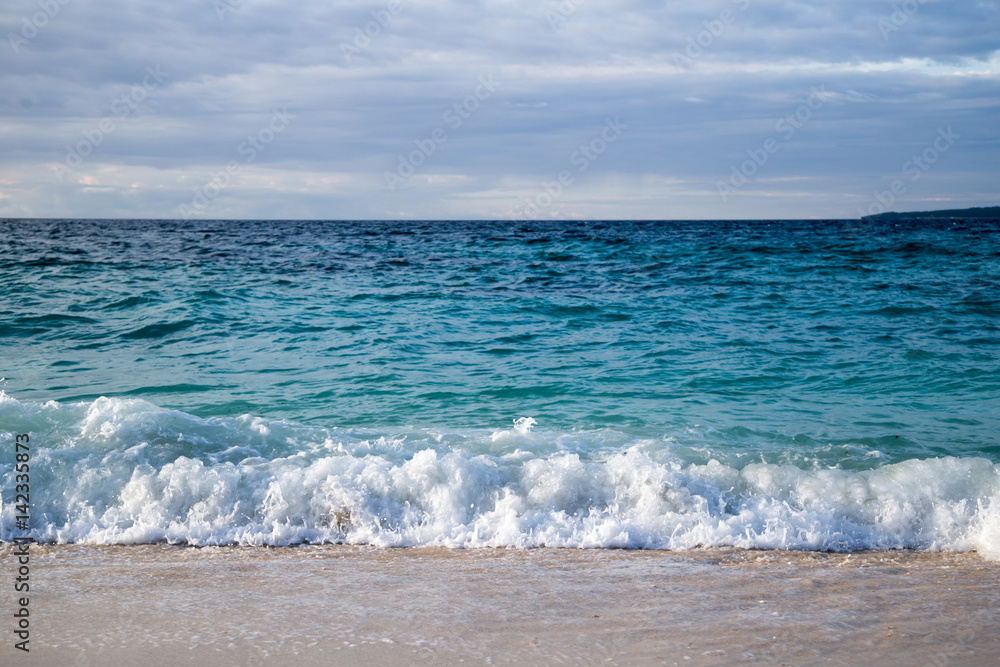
(497,108)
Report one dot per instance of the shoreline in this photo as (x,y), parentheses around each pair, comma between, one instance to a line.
(334,604)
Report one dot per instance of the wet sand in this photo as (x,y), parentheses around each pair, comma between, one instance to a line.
(163,605)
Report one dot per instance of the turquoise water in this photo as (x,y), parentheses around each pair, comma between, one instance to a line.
(675,383)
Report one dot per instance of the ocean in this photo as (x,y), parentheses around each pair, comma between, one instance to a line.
(803,385)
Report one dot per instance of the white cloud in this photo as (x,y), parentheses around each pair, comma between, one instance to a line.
(688,122)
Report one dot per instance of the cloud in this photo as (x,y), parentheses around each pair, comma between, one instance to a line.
(693,111)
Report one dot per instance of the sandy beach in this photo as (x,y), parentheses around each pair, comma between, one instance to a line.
(160,605)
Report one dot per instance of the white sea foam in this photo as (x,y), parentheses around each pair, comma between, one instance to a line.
(124,471)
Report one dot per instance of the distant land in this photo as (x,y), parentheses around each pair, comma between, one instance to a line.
(986,212)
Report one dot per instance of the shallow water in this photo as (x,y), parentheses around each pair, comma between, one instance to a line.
(323,605)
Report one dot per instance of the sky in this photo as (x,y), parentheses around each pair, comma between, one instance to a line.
(497,109)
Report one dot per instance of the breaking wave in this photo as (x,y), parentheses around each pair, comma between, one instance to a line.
(117,471)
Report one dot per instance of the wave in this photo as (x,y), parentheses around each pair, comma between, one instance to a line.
(124,471)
